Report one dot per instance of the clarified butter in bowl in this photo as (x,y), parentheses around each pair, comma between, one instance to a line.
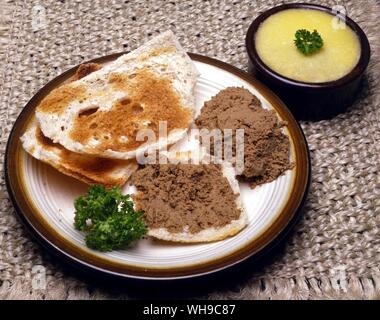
(275,46)
(314,86)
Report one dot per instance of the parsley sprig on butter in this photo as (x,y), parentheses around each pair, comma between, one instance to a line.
(108,219)
(308,42)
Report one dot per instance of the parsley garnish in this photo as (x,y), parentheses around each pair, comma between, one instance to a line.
(108,219)
(308,42)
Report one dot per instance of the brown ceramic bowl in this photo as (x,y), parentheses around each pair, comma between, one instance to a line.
(309,101)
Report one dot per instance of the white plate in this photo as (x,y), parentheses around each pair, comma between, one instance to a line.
(49,196)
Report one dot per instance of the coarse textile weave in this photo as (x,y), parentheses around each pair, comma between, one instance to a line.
(340,229)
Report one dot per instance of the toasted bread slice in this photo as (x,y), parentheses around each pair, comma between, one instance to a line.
(102,113)
(89,169)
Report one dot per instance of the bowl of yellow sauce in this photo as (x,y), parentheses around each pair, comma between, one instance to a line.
(312,56)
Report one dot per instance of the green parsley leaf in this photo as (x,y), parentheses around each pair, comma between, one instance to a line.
(108,219)
(308,42)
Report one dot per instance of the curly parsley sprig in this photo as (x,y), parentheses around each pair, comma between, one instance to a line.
(108,219)
(308,42)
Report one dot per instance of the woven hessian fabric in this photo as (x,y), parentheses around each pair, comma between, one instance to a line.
(340,228)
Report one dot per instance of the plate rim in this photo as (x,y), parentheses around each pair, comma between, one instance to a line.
(65,250)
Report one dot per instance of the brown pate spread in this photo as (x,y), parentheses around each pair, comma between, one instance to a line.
(266,147)
(175,196)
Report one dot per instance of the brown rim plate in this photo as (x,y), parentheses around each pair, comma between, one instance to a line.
(274,207)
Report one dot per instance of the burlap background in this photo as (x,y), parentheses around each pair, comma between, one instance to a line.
(339,231)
